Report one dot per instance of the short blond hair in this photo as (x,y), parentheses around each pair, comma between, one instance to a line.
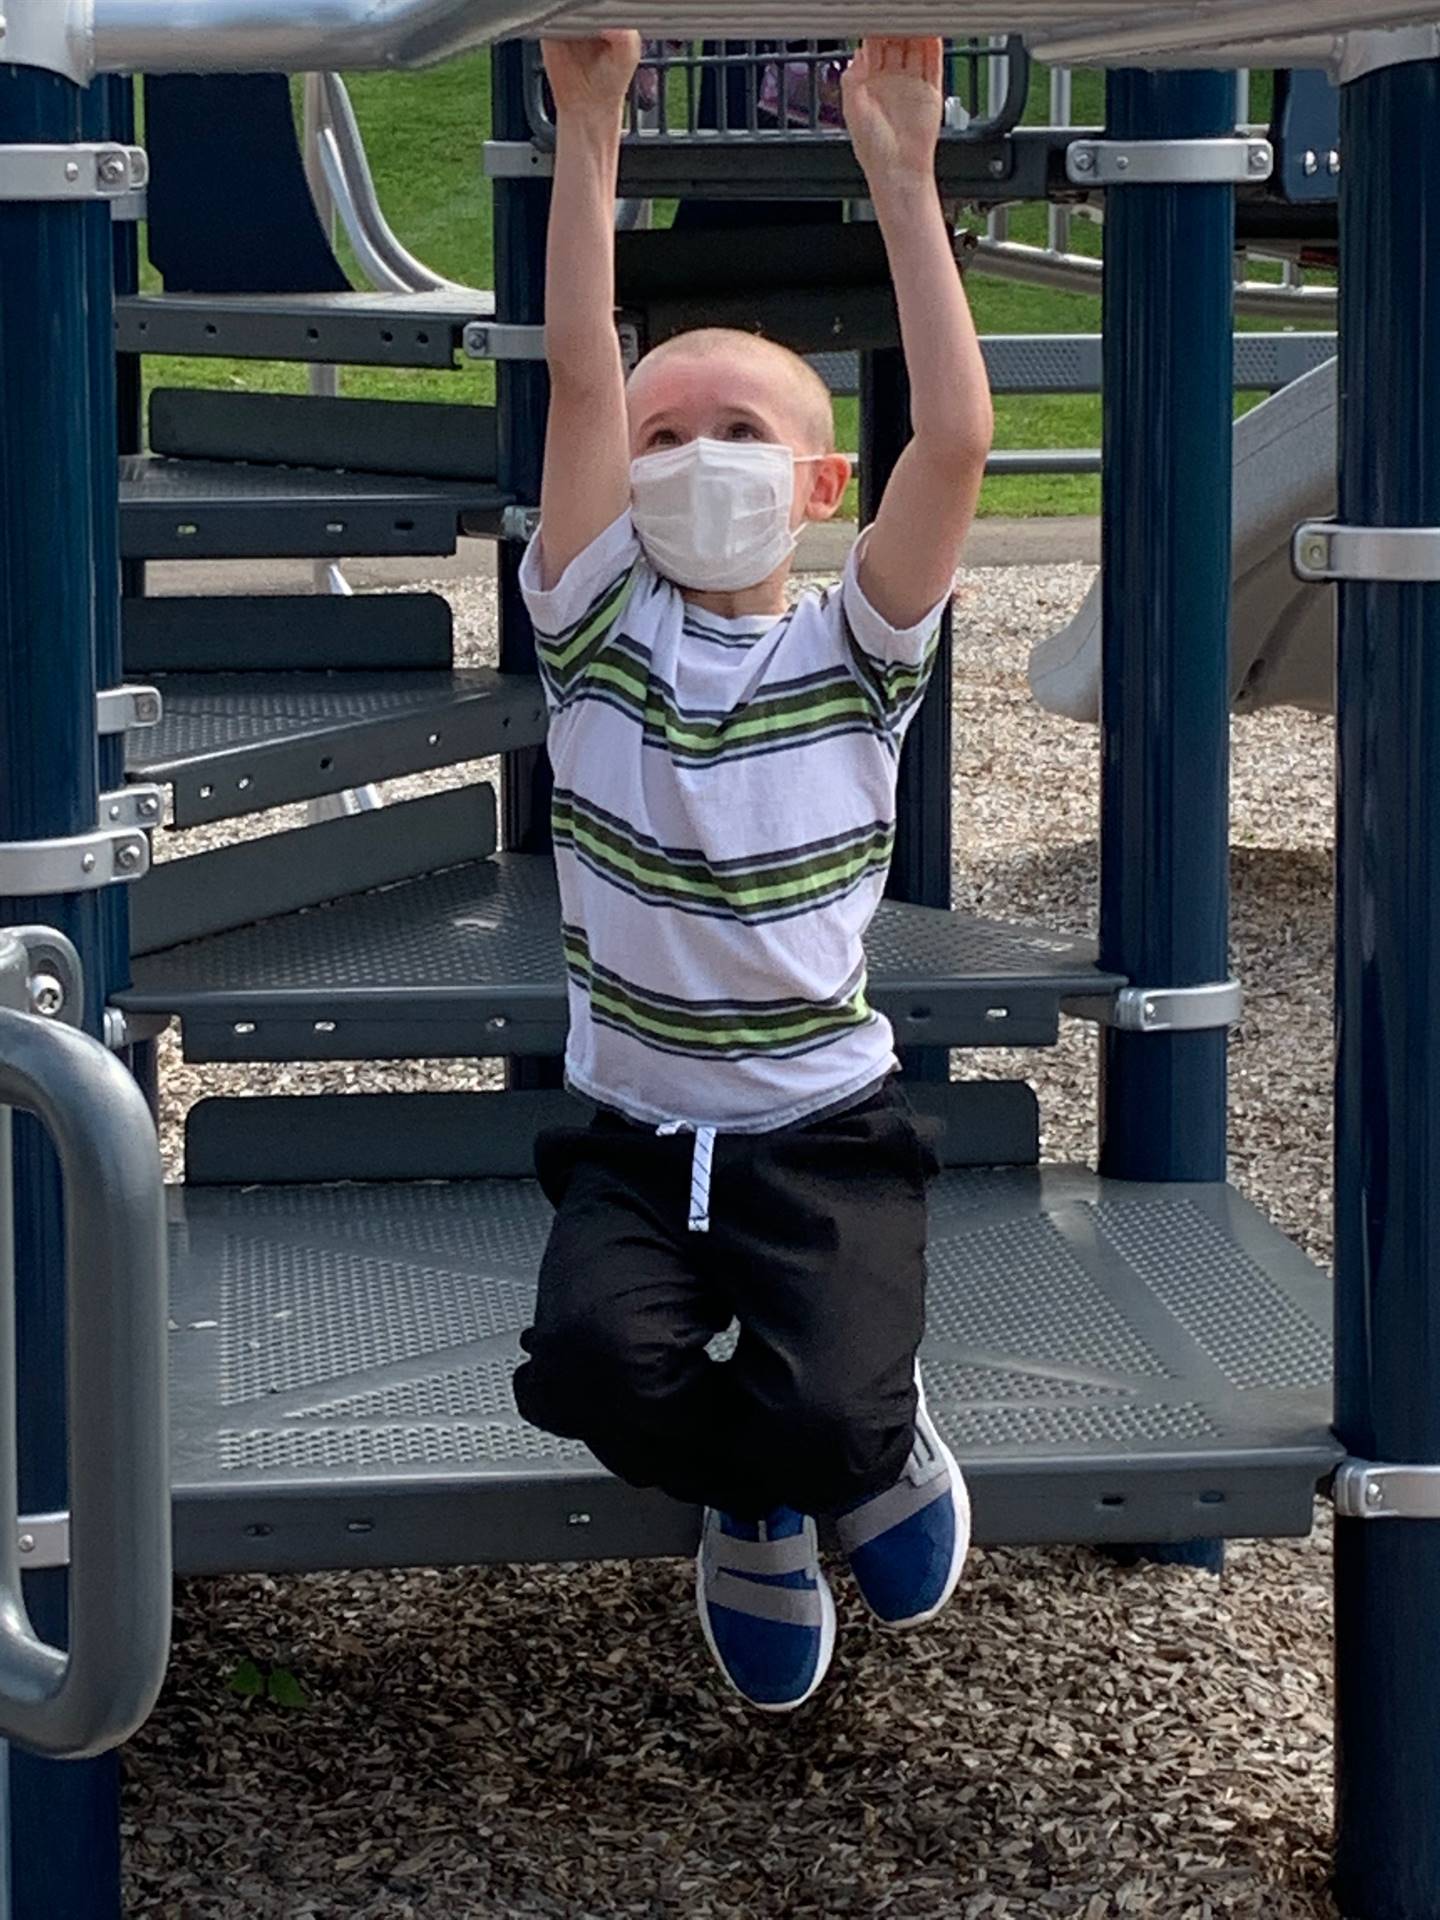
(813,405)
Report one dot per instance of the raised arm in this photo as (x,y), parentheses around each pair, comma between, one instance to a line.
(893,102)
(586,483)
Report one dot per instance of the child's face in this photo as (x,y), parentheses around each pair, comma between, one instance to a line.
(742,396)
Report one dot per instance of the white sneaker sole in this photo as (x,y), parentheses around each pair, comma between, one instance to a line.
(827,1642)
(960,1497)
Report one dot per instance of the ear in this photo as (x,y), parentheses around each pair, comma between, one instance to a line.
(829,479)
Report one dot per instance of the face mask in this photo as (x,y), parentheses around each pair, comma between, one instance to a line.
(715,513)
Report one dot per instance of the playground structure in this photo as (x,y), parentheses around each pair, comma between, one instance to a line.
(1130,1355)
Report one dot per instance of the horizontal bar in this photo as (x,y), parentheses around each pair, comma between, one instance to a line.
(1137,163)
(1325,551)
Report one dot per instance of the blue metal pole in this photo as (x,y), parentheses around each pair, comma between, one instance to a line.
(920,869)
(1387,1186)
(1164,863)
(1164,825)
(55,480)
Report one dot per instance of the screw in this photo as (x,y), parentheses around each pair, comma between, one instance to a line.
(1084,161)
(146,709)
(1374,1493)
(113,168)
(87,863)
(1332,161)
(47,996)
(128,857)
(72,170)
(577,1520)
(1122,163)
(1150,1010)
(1315,553)
(26,1543)
(147,806)
(1259,158)
(114,809)
(997,168)
(1312,162)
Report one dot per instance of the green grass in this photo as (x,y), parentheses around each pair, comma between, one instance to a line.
(423,132)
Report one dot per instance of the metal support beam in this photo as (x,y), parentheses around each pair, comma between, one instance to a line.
(1166,520)
(56,479)
(920,869)
(1387,1196)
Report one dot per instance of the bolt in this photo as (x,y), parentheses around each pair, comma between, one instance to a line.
(72,170)
(1315,553)
(127,858)
(1259,158)
(87,863)
(113,168)
(47,995)
(1312,162)
(1150,1010)
(997,168)
(26,1543)
(1374,1493)
(1084,160)
(1122,163)
(147,709)
(577,1520)
(148,806)
(114,809)
(1332,161)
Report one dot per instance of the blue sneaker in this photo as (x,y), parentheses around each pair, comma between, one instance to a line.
(907,1545)
(767,1612)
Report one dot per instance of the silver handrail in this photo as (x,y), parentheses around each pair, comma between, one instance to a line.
(93,1694)
(1081,273)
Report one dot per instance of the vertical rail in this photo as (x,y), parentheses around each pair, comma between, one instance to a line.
(920,870)
(1062,113)
(1387,1193)
(522,395)
(1168,378)
(57,485)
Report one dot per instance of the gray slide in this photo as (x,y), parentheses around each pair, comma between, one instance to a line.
(1282,640)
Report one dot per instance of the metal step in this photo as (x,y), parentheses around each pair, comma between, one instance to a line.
(355,329)
(235,743)
(468,961)
(220,510)
(1112,1363)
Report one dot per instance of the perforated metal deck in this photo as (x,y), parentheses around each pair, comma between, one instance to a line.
(229,510)
(1111,1363)
(376,329)
(469,962)
(232,743)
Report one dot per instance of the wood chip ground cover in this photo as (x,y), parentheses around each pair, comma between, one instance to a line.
(1072,1739)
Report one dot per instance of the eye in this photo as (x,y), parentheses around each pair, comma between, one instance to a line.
(661,437)
(743,430)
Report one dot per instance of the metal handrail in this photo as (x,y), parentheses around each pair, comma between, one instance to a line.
(92,1695)
(1082,273)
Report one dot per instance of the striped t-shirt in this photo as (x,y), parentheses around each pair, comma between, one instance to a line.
(723,821)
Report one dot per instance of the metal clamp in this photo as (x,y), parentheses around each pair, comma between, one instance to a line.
(516,160)
(1324,550)
(33,869)
(40,973)
(499,340)
(43,1540)
(117,709)
(1164,1009)
(137,806)
(519,523)
(1168,163)
(1365,1491)
(94,170)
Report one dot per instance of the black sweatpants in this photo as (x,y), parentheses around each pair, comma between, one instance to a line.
(816,1247)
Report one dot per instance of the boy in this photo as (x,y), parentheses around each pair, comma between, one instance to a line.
(724,814)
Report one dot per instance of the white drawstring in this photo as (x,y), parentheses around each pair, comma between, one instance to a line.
(701,1160)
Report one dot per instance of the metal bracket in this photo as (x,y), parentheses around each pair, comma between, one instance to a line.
(82,863)
(1369,51)
(1168,163)
(122,1030)
(1365,1491)
(44,976)
(516,160)
(137,806)
(1164,1009)
(498,340)
(1324,550)
(92,170)
(519,523)
(118,709)
(43,1540)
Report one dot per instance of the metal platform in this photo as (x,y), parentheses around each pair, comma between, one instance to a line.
(220,510)
(234,743)
(352,329)
(468,961)
(1111,1363)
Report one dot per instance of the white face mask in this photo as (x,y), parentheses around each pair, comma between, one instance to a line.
(715,513)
